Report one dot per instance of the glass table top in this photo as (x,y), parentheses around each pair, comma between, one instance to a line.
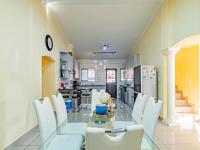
(117,127)
(84,116)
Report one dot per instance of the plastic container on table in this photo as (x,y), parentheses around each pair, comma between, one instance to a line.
(101,109)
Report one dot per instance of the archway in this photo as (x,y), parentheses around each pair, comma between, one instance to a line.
(187,84)
(48,76)
(169,75)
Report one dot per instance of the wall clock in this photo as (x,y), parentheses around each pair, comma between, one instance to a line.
(49,42)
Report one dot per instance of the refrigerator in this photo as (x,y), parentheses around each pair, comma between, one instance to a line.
(145,80)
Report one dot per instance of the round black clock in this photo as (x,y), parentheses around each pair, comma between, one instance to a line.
(49,42)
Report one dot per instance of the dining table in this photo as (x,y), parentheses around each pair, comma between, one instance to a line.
(110,128)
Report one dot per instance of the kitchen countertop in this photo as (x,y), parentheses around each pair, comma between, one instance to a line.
(94,85)
(124,85)
(127,86)
(70,89)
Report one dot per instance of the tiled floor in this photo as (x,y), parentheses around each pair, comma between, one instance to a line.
(185,137)
(30,141)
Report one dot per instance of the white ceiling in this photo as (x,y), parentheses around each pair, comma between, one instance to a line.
(88,24)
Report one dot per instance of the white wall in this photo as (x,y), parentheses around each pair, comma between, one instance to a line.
(100,71)
(24,24)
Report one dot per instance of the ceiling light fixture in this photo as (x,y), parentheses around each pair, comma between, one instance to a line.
(100,52)
(105,47)
(100,63)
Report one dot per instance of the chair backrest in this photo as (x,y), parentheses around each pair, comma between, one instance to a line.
(151,115)
(139,106)
(130,140)
(95,98)
(46,118)
(61,112)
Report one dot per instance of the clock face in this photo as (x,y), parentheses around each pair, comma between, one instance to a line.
(49,42)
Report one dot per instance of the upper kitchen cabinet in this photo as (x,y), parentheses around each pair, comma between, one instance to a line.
(132,62)
(136,60)
(66,66)
(76,69)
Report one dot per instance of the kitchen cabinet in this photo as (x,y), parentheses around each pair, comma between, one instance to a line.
(66,66)
(132,62)
(127,95)
(76,69)
(70,63)
(136,60)
(123,93)
(65,57)
(130,97)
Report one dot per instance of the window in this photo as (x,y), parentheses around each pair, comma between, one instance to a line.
(129,74)
(88,75)
(91,75)
(123,74)
(84,74)
(111,76)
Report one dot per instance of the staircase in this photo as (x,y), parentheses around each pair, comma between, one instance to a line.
(182,105)
(184,111)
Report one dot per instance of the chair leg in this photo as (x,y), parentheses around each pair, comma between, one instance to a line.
(87,101)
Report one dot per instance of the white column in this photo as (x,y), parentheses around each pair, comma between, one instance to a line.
(171,87)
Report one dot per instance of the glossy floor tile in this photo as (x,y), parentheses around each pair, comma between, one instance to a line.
(184,137)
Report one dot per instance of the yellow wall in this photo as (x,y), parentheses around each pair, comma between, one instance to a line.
(174,21)
(184,19)
(149,48)
(23,26)
(187,74)
(48,77)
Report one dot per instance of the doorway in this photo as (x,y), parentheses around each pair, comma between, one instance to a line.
(48,76)
(187,80)
(111,82)
(175,93)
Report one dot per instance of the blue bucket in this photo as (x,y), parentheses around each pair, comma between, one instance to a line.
(68,104)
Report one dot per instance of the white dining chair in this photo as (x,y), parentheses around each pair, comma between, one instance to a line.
(151,115)
(95,98)
(150,119)
(137,113)
(51,140)
(97,139)
(61,118)
(139,106)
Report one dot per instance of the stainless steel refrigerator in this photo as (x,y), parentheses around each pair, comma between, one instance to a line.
(145,80)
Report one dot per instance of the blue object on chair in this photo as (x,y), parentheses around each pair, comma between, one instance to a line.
(101,109)
(68,104)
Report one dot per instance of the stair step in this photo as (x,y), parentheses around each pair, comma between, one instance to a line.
(176,89)
(185,117)
(183,109)
(178,95)
(181,102)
